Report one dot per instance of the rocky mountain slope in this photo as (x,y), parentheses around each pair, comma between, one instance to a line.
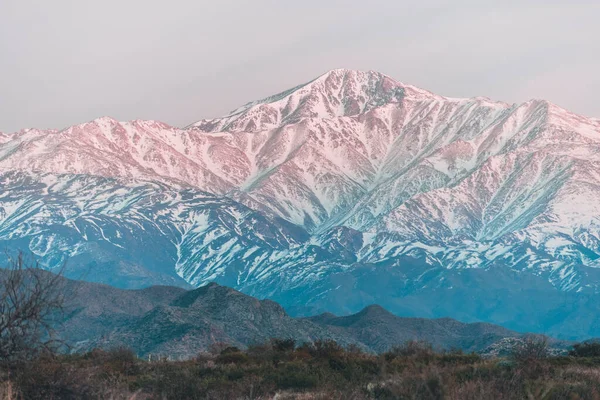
(349,190)
(181,323)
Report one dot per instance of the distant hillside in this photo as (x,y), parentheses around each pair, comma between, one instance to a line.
(380,330)
(181,323)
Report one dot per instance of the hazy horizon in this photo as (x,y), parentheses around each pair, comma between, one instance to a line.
(67,62)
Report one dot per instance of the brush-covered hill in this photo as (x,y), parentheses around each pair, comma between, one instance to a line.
(181,323)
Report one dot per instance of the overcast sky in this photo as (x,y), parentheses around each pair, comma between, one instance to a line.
(68,61)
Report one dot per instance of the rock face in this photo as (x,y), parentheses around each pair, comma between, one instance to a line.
(349,190)
(178,323)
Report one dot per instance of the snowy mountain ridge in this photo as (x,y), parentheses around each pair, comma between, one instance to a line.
(350,172)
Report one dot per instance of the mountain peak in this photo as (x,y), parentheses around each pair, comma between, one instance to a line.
(374,310)
(340,179)
(104,120)
(211,291)
(345,72)
(337,93)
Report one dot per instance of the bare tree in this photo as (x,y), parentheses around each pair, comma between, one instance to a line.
(31,300)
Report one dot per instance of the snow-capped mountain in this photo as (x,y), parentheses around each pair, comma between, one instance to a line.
(312,195)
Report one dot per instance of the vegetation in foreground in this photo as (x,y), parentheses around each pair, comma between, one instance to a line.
(321,370)
(33,364)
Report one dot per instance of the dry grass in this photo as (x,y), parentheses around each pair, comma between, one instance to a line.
(323,371)
(8,391)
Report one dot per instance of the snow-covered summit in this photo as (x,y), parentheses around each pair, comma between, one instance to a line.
(337,93)
(458,183)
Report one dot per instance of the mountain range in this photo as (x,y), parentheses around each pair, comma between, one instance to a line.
(352,189)
(179,323)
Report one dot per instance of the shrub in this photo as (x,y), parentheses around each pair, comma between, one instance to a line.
(232,355)
(261,353)
(296,376)
(531,348)
(459,358)
(585,349)
(121,360)
(320,370)
(325,348)
(230,349)
(283,345)
(411,348)
(217,347)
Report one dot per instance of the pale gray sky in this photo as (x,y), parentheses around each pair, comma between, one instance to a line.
(68,61)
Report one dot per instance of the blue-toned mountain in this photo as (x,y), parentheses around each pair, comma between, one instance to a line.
(349,190)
